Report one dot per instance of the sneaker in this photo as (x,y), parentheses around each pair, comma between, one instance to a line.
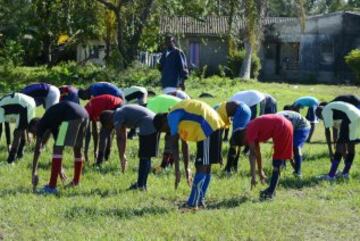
(266,195)
(326,177)
(343,175)
(297,175)
(135,186)
(71,184)
(48,190)
(202,204)
(188,208)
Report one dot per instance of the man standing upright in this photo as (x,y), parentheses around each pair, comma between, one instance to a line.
(173,66)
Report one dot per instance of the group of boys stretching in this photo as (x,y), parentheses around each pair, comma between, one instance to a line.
(251,115)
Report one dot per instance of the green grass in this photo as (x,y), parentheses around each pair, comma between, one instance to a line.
(101,208)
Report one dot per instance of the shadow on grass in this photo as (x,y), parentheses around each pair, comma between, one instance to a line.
(229,203)
(97,191)
(316,157)
(126,213)
(14,191)
(295,183)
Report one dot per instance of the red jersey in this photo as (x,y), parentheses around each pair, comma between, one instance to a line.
(276,127)
(101,103)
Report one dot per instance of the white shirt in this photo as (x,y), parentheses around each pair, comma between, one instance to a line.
(249,97)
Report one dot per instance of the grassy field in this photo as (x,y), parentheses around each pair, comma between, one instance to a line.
(101,208)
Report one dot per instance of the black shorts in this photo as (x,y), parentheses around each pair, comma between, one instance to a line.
(71,133)
(344,133)
(148,145)
(16,109)
(209,150)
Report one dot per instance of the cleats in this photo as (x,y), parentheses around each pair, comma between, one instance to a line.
(326,177)
(135,187)
(266,195)
(48,190)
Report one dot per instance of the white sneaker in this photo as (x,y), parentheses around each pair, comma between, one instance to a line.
(326,177)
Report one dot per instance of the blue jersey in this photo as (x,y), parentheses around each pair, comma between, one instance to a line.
(38,91)
(306,101)
(105,88)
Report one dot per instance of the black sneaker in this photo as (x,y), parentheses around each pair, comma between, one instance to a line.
(135,187)
(188,208)
(266,195)
(11,158)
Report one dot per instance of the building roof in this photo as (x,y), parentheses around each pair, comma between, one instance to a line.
(218,25)
(211,25)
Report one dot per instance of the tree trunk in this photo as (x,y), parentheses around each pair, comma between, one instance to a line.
(245,70)
(120,40)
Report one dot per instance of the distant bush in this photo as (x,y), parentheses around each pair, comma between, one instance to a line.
(235,60)
(11,53)
(14,78)
(353,60)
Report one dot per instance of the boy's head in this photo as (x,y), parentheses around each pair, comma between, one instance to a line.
(84,94)
(107,119)
(318,111)
(288,107)
(33,126)
(160,122)
(238,138)
(170,41)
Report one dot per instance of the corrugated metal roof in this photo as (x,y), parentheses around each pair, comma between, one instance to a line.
(211,25)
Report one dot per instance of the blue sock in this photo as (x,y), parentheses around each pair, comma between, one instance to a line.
(334,166)
(205,186)
(144,168)
(298,161)
(196,189)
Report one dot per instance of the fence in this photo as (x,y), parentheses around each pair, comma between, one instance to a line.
(149,59)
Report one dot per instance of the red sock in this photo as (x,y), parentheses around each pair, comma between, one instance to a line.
(77,170)
(55,170)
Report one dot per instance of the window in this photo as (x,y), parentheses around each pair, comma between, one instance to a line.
(194,54)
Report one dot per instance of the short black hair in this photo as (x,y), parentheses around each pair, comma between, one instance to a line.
(83,94)
(288,107)
(323,103)
(159,120)
(319,110)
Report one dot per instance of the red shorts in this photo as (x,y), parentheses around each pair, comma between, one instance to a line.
(283,141)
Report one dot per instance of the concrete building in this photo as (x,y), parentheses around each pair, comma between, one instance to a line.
(287,53)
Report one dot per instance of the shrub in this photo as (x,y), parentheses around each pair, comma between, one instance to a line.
(353,60)
(235,59)
(11,53)
(14,78)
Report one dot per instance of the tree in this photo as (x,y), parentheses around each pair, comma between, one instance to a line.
(255,12)
(130,17)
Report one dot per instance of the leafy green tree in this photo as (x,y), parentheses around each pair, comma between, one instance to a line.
(130,18)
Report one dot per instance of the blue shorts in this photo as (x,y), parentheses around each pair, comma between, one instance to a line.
(311,115)
(300,137)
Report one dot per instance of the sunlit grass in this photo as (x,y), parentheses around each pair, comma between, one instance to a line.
(101,208)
